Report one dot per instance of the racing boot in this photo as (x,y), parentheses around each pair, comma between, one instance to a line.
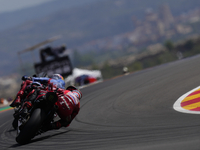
(51,126)
(17,101)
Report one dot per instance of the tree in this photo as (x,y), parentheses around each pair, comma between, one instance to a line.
(169,45)
(189,44)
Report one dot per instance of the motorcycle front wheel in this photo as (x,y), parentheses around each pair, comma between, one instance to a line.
(31,127)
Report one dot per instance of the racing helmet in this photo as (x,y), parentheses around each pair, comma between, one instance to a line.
(57,76)
(75,91)
(60,82)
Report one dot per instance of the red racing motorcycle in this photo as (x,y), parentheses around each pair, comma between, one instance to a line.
(33,115)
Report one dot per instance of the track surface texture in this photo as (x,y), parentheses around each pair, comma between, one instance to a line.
(132,112)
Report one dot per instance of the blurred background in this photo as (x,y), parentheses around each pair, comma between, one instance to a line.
(111,36)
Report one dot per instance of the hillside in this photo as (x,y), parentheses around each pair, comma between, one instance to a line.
(79,25)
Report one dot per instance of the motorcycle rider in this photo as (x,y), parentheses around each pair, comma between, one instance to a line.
(68,107)
(56,79)
(68,100)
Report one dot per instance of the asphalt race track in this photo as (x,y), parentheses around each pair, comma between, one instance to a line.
(132,112)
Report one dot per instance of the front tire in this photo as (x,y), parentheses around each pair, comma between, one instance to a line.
(31,127)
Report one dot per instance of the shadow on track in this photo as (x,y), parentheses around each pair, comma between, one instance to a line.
(40,139)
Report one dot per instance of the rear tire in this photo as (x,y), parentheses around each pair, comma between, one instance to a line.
(31,127)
